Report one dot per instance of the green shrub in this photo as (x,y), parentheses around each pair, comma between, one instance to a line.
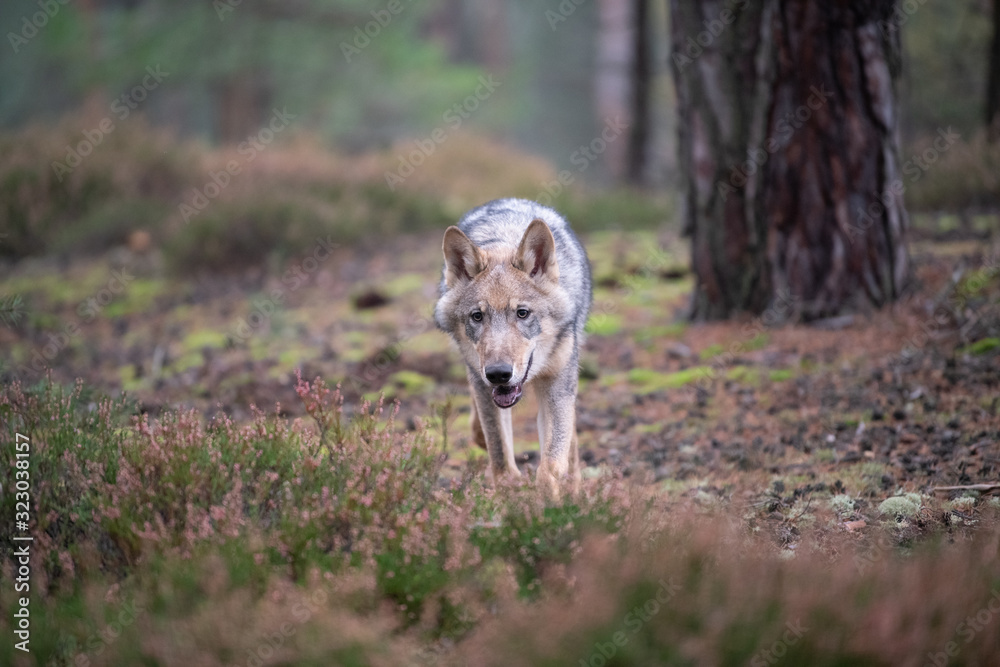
(109,223)
(115,492)
(292,220)
(50,204)
(232,235)
(618,208)
(964,176)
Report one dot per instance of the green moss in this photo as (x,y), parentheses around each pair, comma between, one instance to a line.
(964,504)
(259,350)
(429,342)
(759,342)
(906,506)
(404,284)
(980,347)
(842,504)
(744,375)
(975,283)
(291,358)
(110,223)
(187,361)
(647,381)
(711,351)
(355,346)
(411,382)
(780,375)
(651,334)
(824,456)
(602,324)
(126,375)
(137,297)
(55,288)
(202,338)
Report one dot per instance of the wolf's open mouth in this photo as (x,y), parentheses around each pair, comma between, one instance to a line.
(506,395)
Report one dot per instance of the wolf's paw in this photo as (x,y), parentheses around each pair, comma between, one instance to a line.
(554,485)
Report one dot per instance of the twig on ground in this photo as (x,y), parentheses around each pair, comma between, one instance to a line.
(982,488)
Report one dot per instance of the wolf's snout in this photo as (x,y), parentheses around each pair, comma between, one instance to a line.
(499,373)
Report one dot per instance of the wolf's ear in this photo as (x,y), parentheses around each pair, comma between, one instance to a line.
(462,259)
(536,255)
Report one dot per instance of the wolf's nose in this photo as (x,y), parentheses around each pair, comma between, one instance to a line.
(499,373)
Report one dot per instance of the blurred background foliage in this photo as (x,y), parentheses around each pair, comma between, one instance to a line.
(359,92)
(517,89)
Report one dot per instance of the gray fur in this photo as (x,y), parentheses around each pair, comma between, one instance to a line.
(559,303)
(503,221)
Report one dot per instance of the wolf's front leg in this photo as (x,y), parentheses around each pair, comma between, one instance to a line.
(557,430)
(497,428)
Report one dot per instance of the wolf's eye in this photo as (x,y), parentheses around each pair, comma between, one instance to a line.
(523,313)
(476,316)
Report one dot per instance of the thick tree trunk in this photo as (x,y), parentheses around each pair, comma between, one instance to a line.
(787,140)
(993,80)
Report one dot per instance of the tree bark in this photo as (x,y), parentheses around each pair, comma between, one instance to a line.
(787,140)
(637,160)
(993,80)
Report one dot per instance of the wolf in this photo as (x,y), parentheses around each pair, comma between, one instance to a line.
(515,295)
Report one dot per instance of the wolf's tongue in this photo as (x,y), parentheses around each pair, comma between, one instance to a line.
(507,395)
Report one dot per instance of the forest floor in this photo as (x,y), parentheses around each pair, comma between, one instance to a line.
(822,447)
(901,399)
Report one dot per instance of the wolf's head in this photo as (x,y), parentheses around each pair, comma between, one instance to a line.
(503,307)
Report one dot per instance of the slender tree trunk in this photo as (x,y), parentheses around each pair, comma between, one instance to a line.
(993,80)
(243,99)
(637,160)
(613,78)
(787,139)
